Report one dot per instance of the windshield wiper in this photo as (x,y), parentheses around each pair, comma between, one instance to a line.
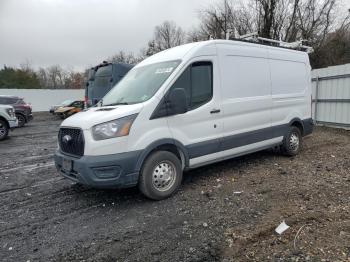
(116,104)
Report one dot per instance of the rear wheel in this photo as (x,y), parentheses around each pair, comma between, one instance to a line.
(161,175)
(4,129)
(292,142)
(21,120)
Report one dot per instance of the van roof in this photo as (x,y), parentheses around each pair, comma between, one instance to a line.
(179,52)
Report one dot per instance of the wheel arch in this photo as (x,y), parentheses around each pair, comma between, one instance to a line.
(170,145)
(22,114)
(5,120)
(297,122)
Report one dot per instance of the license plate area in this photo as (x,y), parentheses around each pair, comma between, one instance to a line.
(67,165)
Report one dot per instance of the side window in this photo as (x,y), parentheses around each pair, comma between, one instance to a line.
(184,81)
(197,80)
(201,83)
(76,104)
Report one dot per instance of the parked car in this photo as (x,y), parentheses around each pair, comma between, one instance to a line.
(186,107)
(101,79)
(70,109)
(64,103)
(23,109)
(8,120)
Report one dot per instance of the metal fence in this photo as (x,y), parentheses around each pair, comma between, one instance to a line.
(331,96)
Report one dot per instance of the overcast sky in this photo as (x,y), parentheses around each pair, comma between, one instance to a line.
(81,33)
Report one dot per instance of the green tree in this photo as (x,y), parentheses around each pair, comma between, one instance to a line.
(18,78)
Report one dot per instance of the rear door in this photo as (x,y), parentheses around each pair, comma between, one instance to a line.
(290,82)
(200,128)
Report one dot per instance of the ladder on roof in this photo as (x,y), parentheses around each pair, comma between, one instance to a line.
(297,45)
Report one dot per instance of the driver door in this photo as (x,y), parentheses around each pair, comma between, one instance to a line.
(200,128)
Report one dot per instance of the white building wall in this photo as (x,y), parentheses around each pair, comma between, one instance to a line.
(43,99)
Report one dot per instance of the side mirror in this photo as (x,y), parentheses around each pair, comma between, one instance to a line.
(177,102)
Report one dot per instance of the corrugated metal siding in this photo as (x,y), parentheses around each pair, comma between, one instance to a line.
(333,95)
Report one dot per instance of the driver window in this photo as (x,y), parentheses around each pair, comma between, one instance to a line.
(197,80)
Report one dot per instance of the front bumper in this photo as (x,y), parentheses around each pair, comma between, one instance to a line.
(107,171)
(13,123)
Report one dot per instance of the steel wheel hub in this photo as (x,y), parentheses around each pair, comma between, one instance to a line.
(294,141)
(164,175)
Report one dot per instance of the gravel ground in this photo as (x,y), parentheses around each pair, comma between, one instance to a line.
(223,212)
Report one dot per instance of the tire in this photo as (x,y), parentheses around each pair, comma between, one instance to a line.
(161,175)
(292,142)
(4,129)
(21,120)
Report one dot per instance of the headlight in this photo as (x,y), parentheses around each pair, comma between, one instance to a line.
(112,129)
(10,112)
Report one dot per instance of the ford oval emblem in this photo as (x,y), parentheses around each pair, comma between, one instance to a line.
(66,139)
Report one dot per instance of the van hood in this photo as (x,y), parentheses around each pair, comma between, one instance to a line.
(97,115)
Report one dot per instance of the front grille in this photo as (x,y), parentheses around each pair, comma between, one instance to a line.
(71,141)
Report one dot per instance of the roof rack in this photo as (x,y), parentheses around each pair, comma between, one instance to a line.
(297,45)
(104,63)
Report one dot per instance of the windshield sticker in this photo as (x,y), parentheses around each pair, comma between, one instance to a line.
(144,97)
(164,70)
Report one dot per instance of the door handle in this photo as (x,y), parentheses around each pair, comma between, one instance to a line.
(215,111)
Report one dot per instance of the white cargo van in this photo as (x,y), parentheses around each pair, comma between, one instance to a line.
(186,107)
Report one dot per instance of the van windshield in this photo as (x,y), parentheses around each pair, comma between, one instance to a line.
(140,84)
(66,102)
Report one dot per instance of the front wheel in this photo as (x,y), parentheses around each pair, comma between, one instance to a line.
(4,129)
(161,175)
(292,142)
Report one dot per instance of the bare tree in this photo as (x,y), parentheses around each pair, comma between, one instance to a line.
(26,66)
(151,48)
(266,14)
(55,77)
(166,35)
(334,50)
(218,20)
(43,77)
(287,20)
(195,35)
(123,57)
(315,19)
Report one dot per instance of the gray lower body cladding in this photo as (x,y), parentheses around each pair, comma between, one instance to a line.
(107,171)
(122,170)
(229,142)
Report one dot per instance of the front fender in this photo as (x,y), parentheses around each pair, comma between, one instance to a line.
(158,143)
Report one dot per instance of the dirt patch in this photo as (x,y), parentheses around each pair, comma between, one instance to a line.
(223,212)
